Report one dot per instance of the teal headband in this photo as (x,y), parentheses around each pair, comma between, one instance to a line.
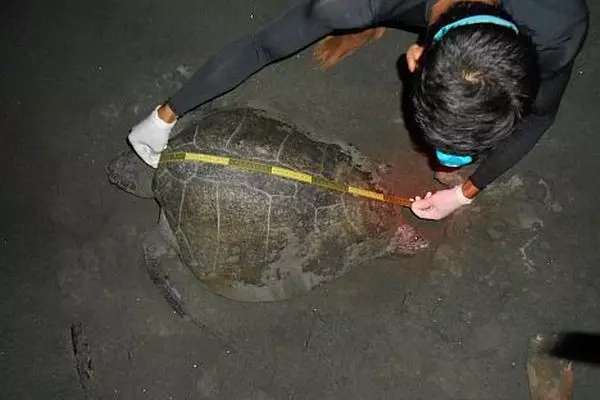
(476,19)
(452,160)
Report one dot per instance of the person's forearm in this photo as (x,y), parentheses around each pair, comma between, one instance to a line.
(236,62)
(469,189)
(510,151)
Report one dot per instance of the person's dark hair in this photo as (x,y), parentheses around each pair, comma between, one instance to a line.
(475,84)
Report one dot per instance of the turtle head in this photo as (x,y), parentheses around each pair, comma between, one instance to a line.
(130,174)
(407,240)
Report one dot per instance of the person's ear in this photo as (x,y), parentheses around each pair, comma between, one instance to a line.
(413,55)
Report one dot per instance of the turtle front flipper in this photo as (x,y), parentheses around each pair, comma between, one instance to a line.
(154,249)
(407,240)
(130,174)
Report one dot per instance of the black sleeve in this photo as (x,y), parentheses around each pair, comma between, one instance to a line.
(304,24)
(556,63)
(510,151)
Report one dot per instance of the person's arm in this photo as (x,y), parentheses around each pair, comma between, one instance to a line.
(504,156)
(510,151)
(556,63)
(301,26)
(304,24)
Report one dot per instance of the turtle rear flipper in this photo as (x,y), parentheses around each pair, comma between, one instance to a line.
(130,174)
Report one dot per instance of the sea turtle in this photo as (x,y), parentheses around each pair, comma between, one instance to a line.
(257,237)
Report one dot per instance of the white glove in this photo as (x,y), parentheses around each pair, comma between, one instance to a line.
(440,204)
(150,137)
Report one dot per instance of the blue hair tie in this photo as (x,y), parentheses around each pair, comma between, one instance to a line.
(452,160)
(476,19)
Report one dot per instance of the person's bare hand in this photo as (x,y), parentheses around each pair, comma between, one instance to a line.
(333,49)
(413,55)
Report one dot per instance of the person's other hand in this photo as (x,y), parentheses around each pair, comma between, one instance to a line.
(413,55)
(439,204)
(332,49)
(149,138)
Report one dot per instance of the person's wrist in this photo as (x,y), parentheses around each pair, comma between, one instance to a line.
(462,197)
(166,114)
(469,190)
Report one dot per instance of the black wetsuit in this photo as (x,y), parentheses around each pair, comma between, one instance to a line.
(558,29)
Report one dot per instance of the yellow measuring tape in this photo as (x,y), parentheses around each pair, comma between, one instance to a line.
(255,166)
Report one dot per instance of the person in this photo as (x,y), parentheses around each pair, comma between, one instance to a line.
(487,76)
